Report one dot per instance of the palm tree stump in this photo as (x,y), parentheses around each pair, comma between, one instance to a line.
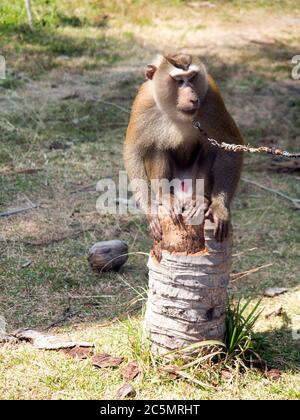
(188,279)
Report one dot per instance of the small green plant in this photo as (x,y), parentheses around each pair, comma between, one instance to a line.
(238,340)
(239,328)
(203,362)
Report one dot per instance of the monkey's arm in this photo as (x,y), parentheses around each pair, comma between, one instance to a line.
(226,172)
(227,166)
(134,165)
(226,175)
(135,150)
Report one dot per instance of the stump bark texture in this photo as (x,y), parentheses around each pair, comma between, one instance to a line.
(187,295)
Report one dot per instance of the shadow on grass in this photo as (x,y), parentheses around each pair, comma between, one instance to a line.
(279,349)
(36,52)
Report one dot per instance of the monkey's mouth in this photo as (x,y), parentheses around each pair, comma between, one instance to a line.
(188,111)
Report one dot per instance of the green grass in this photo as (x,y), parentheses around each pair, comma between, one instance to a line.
(98,51)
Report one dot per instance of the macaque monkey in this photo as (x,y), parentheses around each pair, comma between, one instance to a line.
(161,142)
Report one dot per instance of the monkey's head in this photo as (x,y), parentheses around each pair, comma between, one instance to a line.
(179,85)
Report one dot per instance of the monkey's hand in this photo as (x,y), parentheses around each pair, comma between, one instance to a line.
(194,210)
(220,215)
(155,227)
(172,207)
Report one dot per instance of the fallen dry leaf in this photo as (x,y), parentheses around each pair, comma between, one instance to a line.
(277,311)
(26,264)
(169,369)
(45,341)
(20,171)
(78,352)
(172,370)
(126,390)
(7,339)
(226,375)
(273,374)
(106,360)
(275,291)
(73,95)
(130,371)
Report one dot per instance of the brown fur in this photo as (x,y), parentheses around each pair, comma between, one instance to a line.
(161,143)
(181,61)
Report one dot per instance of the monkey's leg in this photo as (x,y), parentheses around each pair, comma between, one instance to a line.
(194,202)
(159,169)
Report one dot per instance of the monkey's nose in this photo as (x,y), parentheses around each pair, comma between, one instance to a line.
(195,103)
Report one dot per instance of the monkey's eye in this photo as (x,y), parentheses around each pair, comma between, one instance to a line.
(193,78)
(179,82)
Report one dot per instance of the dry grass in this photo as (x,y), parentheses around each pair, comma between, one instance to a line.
(249,51)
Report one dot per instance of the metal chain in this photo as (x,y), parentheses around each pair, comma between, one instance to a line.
(239,148)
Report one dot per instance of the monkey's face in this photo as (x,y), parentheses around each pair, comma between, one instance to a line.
(178,91)
(184,84)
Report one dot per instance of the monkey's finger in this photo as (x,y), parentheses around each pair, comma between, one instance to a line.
(195,216)
(198,217)
(189,206)
(210,216)
(156,235)
(222,230)
(172,214)
(218,229)
(175,216)
(178,207)
(216,232)
(156,229)
(189,214)
(206,206)
(225,230)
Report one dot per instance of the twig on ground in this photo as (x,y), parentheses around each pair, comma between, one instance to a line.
(87,188)
(73,95)
(244,252)
(294,201)
(20,171)
(59,321)
(87,297)
(17,211)
(176,370)
(194,380)
(259,42)
(238,276)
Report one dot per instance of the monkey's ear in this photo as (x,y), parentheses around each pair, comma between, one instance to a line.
(151,69)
